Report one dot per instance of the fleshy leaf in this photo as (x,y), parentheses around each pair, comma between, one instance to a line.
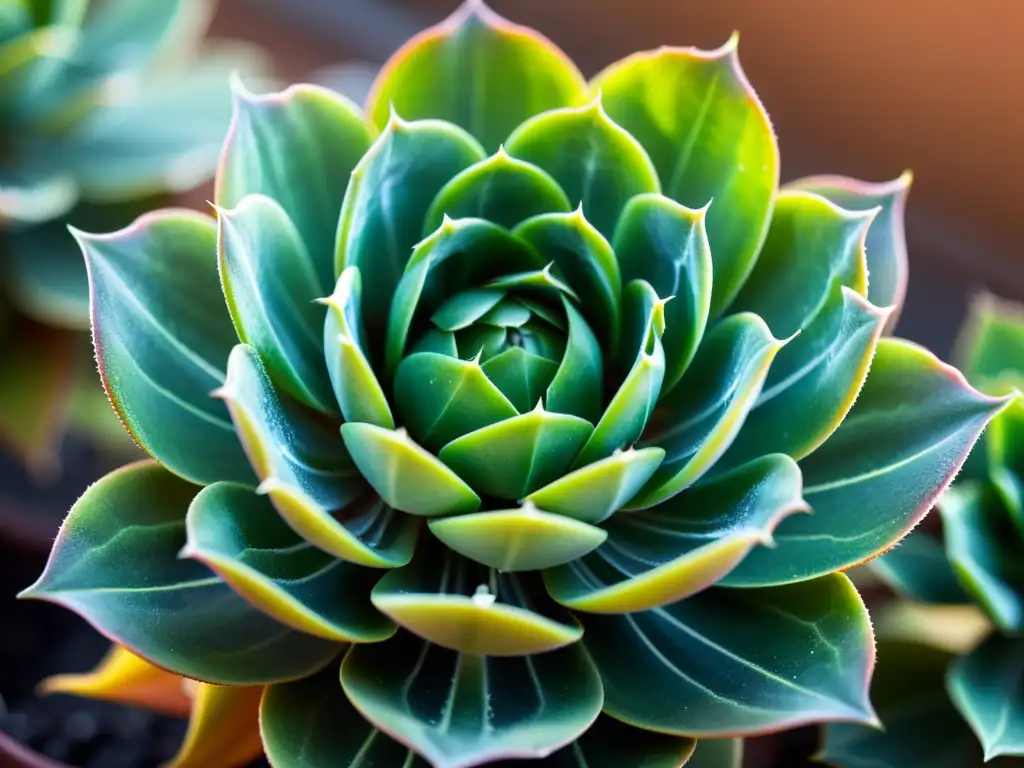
(457,604)
(406,476)
(666,244)
(812,246)
(595,492)
(310,723)
(223,729)
(813,381)
(578,385)
(240,536)
(501,189)
(358,392)
(709,139)
(717,753)
(869,484)
(270,283)
(461,710)
(991,342)
(517,456)
(684,545)
(123,677)
(164,611)
(595,161)
(441,398)
(387,199)
(162,336)
(737,662)
(464,309)
(479,71)
(44,276)
(921,726)
(917,568)
(525,539)
(698,420)
(984,549)
(586,260)
(521,376)
(886,243)
(985,686)
(279,145)
(627,414)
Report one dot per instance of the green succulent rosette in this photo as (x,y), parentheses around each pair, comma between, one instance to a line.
(105,107)
(960,627)
(533,432)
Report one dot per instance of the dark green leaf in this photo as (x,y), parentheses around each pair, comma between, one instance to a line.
(464,309)
(387,200)
(162,337)
(985,686)
(310,723)
(684,545)
(441,398)
(709,138)
(917,568)
(986,552)
(595,161)
(243,539)
(521,376)
(813,381)
(115,562)
(44,275)
(460,710)
(270,282)
(738,661)
(991,342)
(913,424)
(812,246)
(887,238)
(479,71)
(297,147)
(666,244)
(406,476)
(517,456)
(701,416)
(501,189)
(717,753)
(578,385)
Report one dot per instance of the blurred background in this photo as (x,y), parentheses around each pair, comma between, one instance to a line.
(866,89)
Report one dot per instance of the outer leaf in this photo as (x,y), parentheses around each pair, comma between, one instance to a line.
(123,677)
(406,476)
(162,336)
(525,539)
(1004,452)
(717,753)
(223,729)
(322,136)
(870,483)
(270,282)
(479,71)
(984,549)
(683,546)
(598,164)
(310,723)
(813,381)
(922,729)
(812,246)
(709,138)
(500,189)
(700,418)
(666,244)
(917,568)
(387,200)
(887,239)
(985,686)
(440,597)
(991,342)
(517,456)
(459,710)
(164,612)
(242,539)
(737,662)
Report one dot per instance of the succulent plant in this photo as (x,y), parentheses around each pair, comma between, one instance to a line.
(953,651)
(86,91)
(522,386)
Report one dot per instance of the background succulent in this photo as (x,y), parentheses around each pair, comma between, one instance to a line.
(953,654)
(104,106)
(523,389)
